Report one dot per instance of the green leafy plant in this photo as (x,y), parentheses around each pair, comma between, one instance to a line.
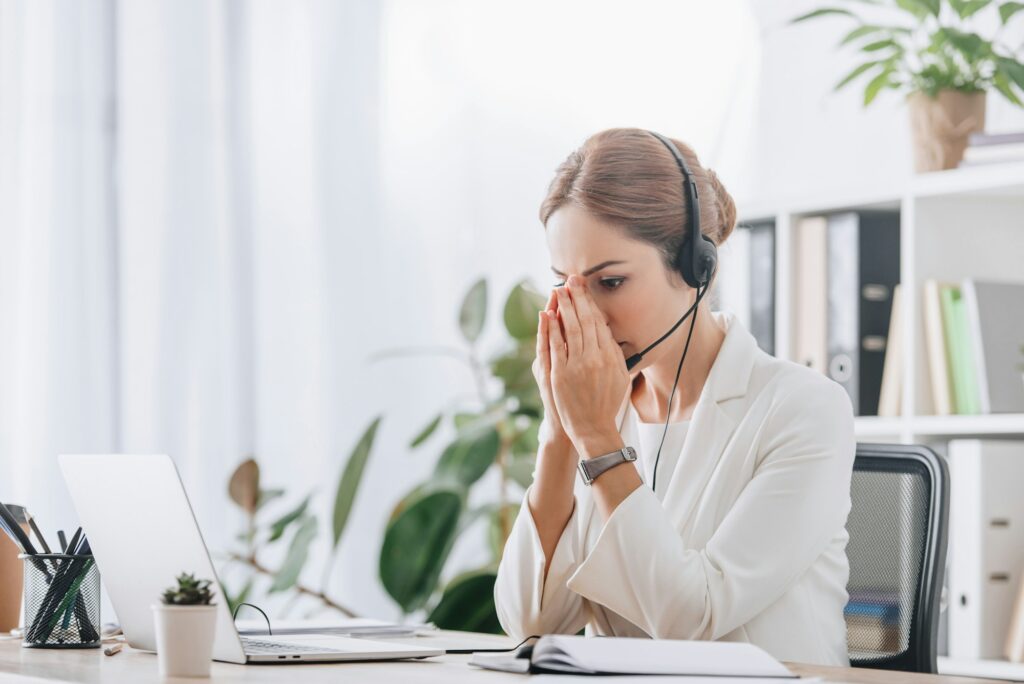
(297,526)
(928,46)
(495,430)
(189,592)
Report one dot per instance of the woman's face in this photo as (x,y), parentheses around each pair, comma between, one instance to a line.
(627,278)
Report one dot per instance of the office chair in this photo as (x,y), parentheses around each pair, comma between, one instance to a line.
(898,527)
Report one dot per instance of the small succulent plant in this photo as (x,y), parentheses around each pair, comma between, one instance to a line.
(189,592)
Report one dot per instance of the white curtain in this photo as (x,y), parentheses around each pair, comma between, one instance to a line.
(212,213)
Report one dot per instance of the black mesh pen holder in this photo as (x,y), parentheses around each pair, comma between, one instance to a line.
(62,601)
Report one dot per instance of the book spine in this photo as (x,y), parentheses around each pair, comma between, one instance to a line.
(762,285)
(949,295)
(972,327)
(892,371)
(843,320)
(938,362)
(966,360)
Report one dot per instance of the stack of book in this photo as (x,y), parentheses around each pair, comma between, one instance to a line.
(873,623)
(993,148)
(847,267)
(745,284)
(974,332)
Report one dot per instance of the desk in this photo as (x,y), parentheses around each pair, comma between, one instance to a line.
(32,666)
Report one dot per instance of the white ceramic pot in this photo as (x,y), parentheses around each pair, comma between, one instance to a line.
(184,639)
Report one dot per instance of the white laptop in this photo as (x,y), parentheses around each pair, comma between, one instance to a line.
(143,533)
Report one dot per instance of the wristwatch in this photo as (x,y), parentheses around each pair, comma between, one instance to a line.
(591,468)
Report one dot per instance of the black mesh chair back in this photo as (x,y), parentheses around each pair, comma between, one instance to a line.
(897,551)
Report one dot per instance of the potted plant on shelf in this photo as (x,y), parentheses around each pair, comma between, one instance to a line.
(931,51)
(185,620)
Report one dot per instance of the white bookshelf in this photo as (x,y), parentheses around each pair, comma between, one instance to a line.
(953,225)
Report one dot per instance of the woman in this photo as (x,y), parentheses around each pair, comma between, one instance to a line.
(730,524)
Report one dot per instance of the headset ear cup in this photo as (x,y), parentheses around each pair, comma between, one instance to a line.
(684,262)
(708,258)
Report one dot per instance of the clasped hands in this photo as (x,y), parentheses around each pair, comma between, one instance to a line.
(580,371)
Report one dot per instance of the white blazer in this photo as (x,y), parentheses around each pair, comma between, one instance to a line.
(749,543)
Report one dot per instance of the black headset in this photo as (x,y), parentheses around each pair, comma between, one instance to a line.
(697,258)
(698,255)
(696,262)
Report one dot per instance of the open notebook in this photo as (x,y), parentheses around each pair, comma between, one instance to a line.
(622,656)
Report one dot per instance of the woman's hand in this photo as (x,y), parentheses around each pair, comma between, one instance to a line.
(551,430)
(588,374)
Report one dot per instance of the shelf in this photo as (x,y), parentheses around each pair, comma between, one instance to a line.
(953,426)
(989,180)
(994,669)
(821,204)
(940,426)
(956,224)
(997,424)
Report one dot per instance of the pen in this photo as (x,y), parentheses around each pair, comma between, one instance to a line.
(63,541)
(39,535)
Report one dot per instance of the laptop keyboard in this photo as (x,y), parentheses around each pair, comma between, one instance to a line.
(258,647)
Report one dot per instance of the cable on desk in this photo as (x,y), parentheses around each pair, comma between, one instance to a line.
(234,616)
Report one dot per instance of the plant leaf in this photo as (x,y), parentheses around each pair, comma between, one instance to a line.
(520,469)
(820,13)
(1002,84)
(919,8)
(526,441)
(298,553)
(473,312)
(244,486)
(875,85)
(425,433)
(417,543)
(965,8)
(1008,9)
(515,369)
(1013,69)
(281,524)
(461,419)
(468,604)
(467,458)
(860,32)
(855,73)
(494,535)
(879,45)
(268,495)
(351,476)
(971,45)
(521,311)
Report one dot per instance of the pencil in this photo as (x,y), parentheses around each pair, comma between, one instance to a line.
(39,535)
